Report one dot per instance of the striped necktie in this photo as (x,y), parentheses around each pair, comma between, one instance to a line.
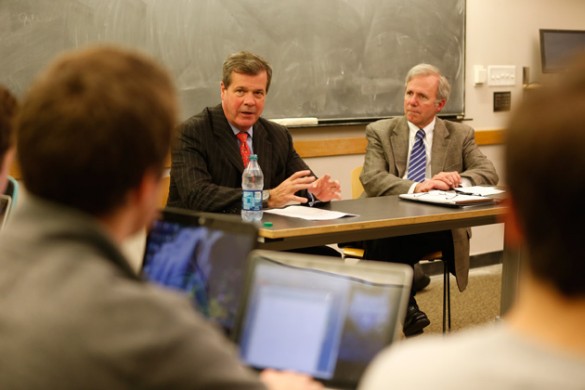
(418,158)
(244,148)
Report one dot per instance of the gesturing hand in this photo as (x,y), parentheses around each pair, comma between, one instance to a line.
(285,192)
(326,189)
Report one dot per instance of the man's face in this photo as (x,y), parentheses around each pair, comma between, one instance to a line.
(420,100)
(243,100)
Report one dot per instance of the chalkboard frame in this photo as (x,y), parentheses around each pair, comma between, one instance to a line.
(342,61)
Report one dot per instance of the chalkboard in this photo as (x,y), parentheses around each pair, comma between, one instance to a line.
(332,59)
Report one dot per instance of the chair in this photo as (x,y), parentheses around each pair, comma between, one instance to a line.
(352,252)
(164,192)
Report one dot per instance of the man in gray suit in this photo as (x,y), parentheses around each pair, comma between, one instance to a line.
(419,152)
(206,172)
(92,136)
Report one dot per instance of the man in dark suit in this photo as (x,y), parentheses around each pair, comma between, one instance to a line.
(449,158)
(92,134)
(206,172)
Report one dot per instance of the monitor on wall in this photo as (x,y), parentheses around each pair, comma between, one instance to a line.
(559,46)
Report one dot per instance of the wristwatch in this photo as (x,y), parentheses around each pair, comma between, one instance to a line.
(265,197)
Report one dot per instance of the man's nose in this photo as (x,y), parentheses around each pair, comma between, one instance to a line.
(249,99)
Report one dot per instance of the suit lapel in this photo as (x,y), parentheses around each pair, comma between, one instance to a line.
(440,148)
(263,148)
(399,145)
(225,138)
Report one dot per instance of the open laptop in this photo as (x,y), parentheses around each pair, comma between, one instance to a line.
(320,315)
(5,208)
(203,255)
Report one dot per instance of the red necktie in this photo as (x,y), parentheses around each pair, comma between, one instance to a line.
(244,148)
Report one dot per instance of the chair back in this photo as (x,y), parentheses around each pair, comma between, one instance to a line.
(356,185)
(164,192)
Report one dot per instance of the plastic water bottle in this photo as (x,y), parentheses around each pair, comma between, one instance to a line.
(252,186)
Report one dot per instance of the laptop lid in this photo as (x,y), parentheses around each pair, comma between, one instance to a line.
(5,207)
(202,255)
(320,315)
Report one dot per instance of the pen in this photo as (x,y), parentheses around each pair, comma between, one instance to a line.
(466,193)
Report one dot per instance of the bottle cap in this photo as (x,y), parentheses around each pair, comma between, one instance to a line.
(267,224)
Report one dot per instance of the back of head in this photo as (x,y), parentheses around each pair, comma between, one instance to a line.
(246,63)
(92,125)
(545,161)
(8,107)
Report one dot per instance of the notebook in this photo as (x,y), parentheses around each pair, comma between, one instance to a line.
(204,256)
(320,315)
(448,198)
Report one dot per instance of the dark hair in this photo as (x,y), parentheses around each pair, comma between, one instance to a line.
(545,161)
(246,63)
(92,125)
(8,108)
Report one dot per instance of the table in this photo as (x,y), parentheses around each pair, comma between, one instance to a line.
(385,216)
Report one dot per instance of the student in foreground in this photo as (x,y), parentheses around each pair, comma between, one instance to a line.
(540,344)
(92,136)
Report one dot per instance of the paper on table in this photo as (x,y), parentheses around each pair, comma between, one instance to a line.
(309,213)
(479,190)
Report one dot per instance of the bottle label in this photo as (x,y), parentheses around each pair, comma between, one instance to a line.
(252,200)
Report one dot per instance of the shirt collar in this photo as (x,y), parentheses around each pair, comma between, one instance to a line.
(250,131)
(428,128)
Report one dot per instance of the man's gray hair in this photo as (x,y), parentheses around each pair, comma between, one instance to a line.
(444,88)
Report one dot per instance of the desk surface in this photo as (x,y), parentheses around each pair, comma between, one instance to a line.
(377,217)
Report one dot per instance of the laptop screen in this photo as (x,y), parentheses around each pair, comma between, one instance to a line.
(320,316)
(203,256)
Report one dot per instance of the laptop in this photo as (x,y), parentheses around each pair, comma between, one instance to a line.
(203,256)
(5,207)
(319,315)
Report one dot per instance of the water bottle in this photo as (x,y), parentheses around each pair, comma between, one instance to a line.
(252,186)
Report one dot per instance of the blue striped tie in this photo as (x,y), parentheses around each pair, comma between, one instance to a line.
(418,158)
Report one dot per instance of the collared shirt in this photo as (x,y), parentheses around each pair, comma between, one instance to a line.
(250,132)
(428,141)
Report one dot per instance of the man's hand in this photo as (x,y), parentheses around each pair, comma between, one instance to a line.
(431,184)
(285,193)
(452,179)
(285,380)
(326,189)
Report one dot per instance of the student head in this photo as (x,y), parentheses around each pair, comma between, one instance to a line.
(93,126)
(8,107)
(426,93)
(245,83)
(545,161)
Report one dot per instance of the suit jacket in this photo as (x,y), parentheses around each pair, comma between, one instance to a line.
(206,171)
(453,149)
(75,316)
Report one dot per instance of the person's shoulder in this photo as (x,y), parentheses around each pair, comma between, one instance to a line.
(454,126)
(205,117)
(400,364)
(386,124)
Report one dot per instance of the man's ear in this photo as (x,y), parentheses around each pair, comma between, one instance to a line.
(440,105)
(513,232)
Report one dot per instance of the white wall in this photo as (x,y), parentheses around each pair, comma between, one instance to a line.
(499,32)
